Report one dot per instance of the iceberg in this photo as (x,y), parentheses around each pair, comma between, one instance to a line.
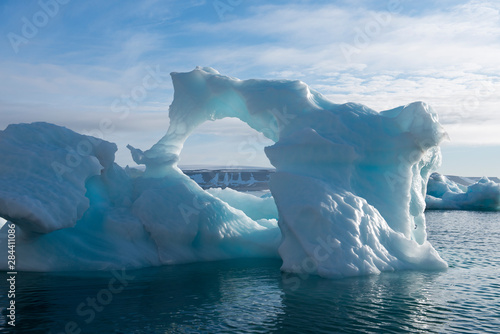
(348,192)
(444,194)
(76,209)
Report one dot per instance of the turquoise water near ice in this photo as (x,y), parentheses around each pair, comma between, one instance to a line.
(253,296)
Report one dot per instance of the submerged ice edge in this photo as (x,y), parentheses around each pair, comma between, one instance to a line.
(349,187)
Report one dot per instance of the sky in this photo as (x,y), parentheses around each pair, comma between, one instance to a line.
(73,62)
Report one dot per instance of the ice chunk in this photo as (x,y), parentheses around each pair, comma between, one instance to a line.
(43,172)
(253,206)
(444,194)
(125,221)
(187,224)
(334,233)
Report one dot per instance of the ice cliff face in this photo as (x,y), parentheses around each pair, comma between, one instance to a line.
(349,186)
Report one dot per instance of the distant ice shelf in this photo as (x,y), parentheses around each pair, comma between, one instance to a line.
(237,179)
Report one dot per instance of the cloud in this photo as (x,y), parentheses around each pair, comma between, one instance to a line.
(80,95)
(467,134)
(446,57)
(388,39)
(93,53)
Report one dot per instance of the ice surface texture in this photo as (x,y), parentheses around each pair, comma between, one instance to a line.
(77,210)
(42,182)
(444,194)
(349,188)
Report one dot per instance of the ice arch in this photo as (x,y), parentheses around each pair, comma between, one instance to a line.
(204,95)
(349,182)
(349,187)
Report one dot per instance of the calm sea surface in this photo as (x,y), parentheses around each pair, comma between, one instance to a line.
(253,296)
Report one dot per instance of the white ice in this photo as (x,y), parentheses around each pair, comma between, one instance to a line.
(255,207)
(444,194)
(349,187)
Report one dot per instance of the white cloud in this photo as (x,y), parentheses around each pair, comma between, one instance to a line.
(467,134)
(446,56)
(443,57)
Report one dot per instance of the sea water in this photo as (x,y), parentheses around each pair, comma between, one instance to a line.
(253,296)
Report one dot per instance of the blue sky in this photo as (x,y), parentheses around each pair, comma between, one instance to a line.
(81,58)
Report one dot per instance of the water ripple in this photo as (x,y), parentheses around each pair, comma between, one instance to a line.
(252,296)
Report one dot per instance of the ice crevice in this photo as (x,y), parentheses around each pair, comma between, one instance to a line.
(348,194)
